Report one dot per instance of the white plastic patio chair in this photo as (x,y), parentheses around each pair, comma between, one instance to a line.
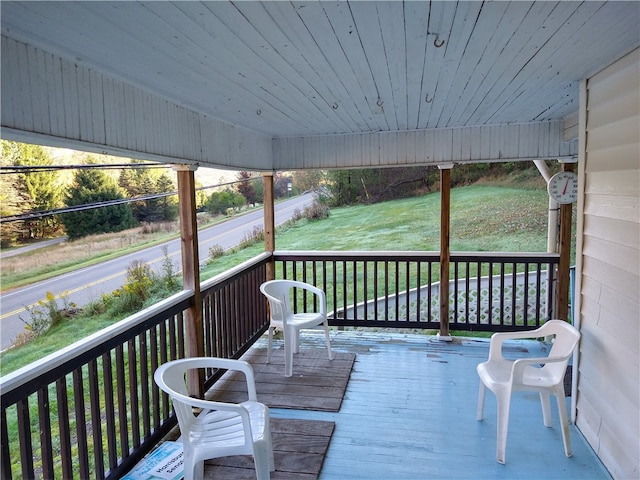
(220,429)
(542,374)
(279,293)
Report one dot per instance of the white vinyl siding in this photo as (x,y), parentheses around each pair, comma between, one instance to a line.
(608,401)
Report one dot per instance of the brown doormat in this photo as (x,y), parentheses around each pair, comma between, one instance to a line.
(299,448)
(317,382)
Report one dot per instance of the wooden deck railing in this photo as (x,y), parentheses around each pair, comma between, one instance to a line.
(488,291)
(92,409)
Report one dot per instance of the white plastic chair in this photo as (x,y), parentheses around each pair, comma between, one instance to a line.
(542,374)
(279,294)
(220,429)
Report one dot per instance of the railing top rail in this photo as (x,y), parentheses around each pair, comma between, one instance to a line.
(504,256)
(236,271)
(353,254)
(71,353)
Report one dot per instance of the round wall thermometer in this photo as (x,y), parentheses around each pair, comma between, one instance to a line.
(563,187)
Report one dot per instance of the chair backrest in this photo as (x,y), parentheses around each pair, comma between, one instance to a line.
(278,292)
(565,341)
(171,378)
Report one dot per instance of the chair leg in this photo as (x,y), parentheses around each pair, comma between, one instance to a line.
(192,470)
(296,341)
(289,338)
(504,404)
(326,334)
(564,419)
(482,392)
(545,401)
(263,462)
(269,345)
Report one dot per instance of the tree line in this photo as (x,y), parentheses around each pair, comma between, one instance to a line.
(126,197)
(145,192)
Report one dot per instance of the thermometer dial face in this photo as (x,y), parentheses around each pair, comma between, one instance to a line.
(563,187)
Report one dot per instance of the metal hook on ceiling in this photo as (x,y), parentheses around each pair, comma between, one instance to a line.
(334,106)
(380,102)
(437,42)
(427,99)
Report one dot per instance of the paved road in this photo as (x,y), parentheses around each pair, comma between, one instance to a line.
(88,284)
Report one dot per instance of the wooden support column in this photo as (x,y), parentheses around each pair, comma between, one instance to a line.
(191,271)
(564,249)
(269,222)
(445,215)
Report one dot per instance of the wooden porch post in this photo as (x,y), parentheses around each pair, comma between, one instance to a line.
(564,263)
(445,207)
(269,222)
(191,271)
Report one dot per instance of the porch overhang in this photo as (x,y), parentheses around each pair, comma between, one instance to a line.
(265,86)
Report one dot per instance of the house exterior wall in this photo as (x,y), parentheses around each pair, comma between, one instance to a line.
(608,266)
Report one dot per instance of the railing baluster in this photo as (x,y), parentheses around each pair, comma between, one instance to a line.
(5,458)
(121,387)
(96,418)
(24,437)
(64,428)
(46,447)
(132,380)
(490,295)
(81,423)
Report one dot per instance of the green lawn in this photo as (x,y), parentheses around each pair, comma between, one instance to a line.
(483,218)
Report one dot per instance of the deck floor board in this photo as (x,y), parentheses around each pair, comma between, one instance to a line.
(409,412)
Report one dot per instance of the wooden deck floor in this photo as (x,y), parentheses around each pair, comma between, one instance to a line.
(409,413)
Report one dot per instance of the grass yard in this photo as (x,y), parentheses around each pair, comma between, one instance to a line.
(483,218)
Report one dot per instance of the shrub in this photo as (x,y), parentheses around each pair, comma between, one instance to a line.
(134,293)
(216,251)
(317,211)
(256,235)
(47,313)
(169,278)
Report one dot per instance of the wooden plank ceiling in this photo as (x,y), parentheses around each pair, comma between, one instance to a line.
(282,68)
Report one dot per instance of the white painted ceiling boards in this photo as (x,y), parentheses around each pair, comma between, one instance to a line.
(240,78)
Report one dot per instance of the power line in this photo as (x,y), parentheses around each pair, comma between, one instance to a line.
(13,169)
(107,203)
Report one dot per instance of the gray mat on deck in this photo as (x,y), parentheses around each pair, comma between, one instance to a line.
(299,448)
(317,382)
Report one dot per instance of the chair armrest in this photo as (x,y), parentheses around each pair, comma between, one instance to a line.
(322,298)
(495,345)
(517,369)
(208,405)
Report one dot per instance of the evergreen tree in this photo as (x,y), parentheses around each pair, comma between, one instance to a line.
(144,182)
(31,191)
(167,206)
(95,186)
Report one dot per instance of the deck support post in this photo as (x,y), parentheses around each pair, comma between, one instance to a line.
(445,216)
(564,249)
(191,271)
(269,222)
